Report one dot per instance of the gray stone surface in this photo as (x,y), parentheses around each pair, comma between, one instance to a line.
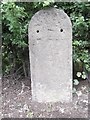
(50,46)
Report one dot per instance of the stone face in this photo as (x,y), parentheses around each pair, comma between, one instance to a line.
(50,46)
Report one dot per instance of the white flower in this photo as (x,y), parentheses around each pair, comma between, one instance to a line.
(79,74)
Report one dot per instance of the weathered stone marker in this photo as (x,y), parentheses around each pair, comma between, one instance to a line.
(50,43)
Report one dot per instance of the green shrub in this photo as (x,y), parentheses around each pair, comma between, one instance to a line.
(15,18)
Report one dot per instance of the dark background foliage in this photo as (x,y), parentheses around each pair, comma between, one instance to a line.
(15,19)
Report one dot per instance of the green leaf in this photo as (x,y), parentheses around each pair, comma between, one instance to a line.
(47,2)
(30,114)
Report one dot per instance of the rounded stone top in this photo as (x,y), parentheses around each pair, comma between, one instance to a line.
(50,23)
(42,16)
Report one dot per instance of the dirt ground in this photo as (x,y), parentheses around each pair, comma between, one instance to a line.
(17,103)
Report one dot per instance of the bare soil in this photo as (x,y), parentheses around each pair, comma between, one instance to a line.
(17,103)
